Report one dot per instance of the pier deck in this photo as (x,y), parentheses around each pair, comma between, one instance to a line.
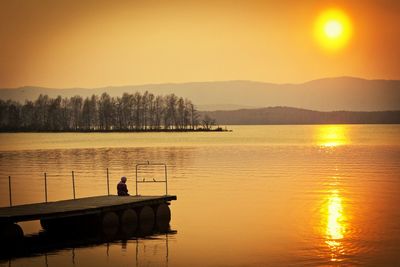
(77,207)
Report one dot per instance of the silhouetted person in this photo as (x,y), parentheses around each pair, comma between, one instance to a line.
(122,188)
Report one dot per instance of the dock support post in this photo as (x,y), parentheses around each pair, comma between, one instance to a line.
(45,187)
(108,183)
(9,190)
(73,183)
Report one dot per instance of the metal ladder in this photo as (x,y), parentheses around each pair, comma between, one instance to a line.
(138,166)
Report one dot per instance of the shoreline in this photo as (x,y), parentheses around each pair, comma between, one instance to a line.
(118,131)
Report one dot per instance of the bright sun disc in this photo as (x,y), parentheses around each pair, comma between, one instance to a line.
(333,29)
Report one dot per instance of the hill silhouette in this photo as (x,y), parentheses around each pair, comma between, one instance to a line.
(341,93)
(288,115)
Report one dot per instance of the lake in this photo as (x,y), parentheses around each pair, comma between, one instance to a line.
(310,195)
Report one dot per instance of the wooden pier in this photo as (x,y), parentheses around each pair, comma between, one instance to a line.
(109,212)
(77,207)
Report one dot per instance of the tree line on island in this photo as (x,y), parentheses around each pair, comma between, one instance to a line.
(130,112)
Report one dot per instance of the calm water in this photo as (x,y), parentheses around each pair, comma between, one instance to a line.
(257,196)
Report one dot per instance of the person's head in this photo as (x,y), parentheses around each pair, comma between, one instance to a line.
(123,179)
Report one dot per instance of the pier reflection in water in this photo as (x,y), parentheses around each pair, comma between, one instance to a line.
(62,241)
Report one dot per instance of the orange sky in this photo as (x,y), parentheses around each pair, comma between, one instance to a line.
(68,43)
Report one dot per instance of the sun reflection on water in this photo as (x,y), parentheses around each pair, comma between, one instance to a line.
(335,225)
(332,135)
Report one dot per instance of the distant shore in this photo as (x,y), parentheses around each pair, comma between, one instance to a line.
(298,116)
(218,129)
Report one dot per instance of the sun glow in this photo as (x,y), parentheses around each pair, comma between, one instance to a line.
(333,29)
(331,135)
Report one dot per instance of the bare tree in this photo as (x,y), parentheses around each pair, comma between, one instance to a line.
(207,122)
(41,111)
(86,114)
(27,116)
(158,112)
(137,112)
(14,115)
(194,116)
(76,107)
(54,122)
(170,111)
(106,112)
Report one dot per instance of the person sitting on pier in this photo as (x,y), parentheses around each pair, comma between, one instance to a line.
(122,188)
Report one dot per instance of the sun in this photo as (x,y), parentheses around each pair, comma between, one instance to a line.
(333,29)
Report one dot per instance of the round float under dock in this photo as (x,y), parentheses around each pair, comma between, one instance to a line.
(129,222)
(163,216)
(11,234)
(110,223)
(146,219)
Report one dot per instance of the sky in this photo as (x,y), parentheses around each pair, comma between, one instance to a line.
(85,43)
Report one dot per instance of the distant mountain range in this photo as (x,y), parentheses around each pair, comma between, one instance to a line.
(287,115)
(328,94)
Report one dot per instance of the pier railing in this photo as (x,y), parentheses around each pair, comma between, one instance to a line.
(138,169)
(45,187)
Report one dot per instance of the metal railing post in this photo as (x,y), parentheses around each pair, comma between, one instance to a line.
(45,187)
(166,180)
(108,183)
(136,179)
(73,183)
(9,190)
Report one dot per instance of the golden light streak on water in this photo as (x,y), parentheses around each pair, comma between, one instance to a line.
(261,195)
(332,135)
(335,225)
